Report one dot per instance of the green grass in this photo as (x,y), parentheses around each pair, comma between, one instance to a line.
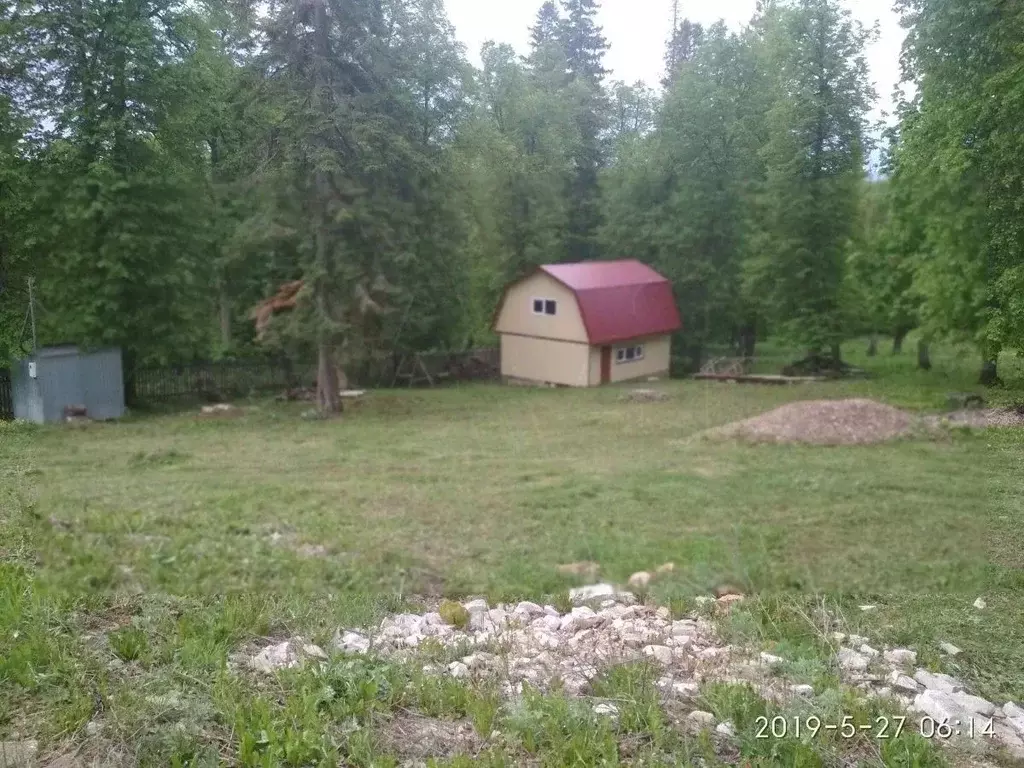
(136,557)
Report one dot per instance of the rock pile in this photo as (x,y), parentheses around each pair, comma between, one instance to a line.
(529,643)
(940,697)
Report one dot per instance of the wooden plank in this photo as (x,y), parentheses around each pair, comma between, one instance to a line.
(753,378)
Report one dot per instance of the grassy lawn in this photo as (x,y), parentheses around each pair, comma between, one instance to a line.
(135,557)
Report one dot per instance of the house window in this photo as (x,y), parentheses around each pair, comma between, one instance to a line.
(629,354)
(545,306)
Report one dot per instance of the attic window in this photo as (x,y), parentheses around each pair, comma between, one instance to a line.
(545,307)
(629,354)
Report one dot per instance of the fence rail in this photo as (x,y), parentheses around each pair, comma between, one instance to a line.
(6,395)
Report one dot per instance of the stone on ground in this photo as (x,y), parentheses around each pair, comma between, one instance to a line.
(903,657)
(936,681)
(701,718)
(949,649)
(980,604)
(640,580)
(286,655)
(850,659)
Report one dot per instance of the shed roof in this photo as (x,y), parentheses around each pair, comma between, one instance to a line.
(618,300)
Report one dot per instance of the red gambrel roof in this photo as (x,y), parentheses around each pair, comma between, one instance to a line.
(619,300)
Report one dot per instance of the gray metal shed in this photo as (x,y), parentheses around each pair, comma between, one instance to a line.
(56,377)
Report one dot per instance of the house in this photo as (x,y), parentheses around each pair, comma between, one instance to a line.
(587,324)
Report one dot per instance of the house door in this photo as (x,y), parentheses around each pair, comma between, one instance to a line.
(606,364)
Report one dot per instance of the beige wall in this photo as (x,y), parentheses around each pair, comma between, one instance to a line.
(558,362)
(595,366)
(656,359)
(517,311)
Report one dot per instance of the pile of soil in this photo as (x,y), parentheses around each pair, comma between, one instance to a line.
(825,422)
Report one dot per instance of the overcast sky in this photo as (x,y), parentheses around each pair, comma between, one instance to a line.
(637,31)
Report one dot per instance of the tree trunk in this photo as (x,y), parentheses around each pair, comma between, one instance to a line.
(225,317)
(924,359)
(748,339)
(872,345)
(897,341)
(989,373)
(837,355)
(328,401)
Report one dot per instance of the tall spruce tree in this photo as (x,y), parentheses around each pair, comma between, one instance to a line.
(584,47)
(814,166)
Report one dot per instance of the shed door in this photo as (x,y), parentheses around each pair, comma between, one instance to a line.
(606,364)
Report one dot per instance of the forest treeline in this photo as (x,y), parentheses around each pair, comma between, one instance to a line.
(165,165)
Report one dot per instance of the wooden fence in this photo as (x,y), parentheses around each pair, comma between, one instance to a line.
(6,395)
(223,379)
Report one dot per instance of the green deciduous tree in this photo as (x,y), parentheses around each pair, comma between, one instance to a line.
(960,169)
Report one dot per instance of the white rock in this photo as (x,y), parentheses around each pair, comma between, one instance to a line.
(550,610)
(726,729)
(352,642)
(679,642)
(1010,738)
(980,604)
(607,709)
(940,706)
(581,617)
(550,623)
(92,728)
(950,649)
(589,592)
(838,636)
(867,608)
(938,682)
(640,580)
(849,659)
(974,704)
(661,653)
(802,690)
(686,689)
(314,651)
(663,613)
(770,659)
(868,651)
(684,628)
(528,610)
(856,640)
(701,718)
(286,655)
(458,669)
(703,600)
(1017,724)
(1012,710)
(903,683)
(478,605)
(901,657)
(412,641)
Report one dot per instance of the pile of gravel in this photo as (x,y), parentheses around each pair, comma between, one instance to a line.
(980,418)
(824,422)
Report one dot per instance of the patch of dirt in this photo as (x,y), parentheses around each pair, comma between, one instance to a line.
(980,418)
(644,396)
(415,738)
(824,422)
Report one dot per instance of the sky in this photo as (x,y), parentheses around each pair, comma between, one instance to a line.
(637,31)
